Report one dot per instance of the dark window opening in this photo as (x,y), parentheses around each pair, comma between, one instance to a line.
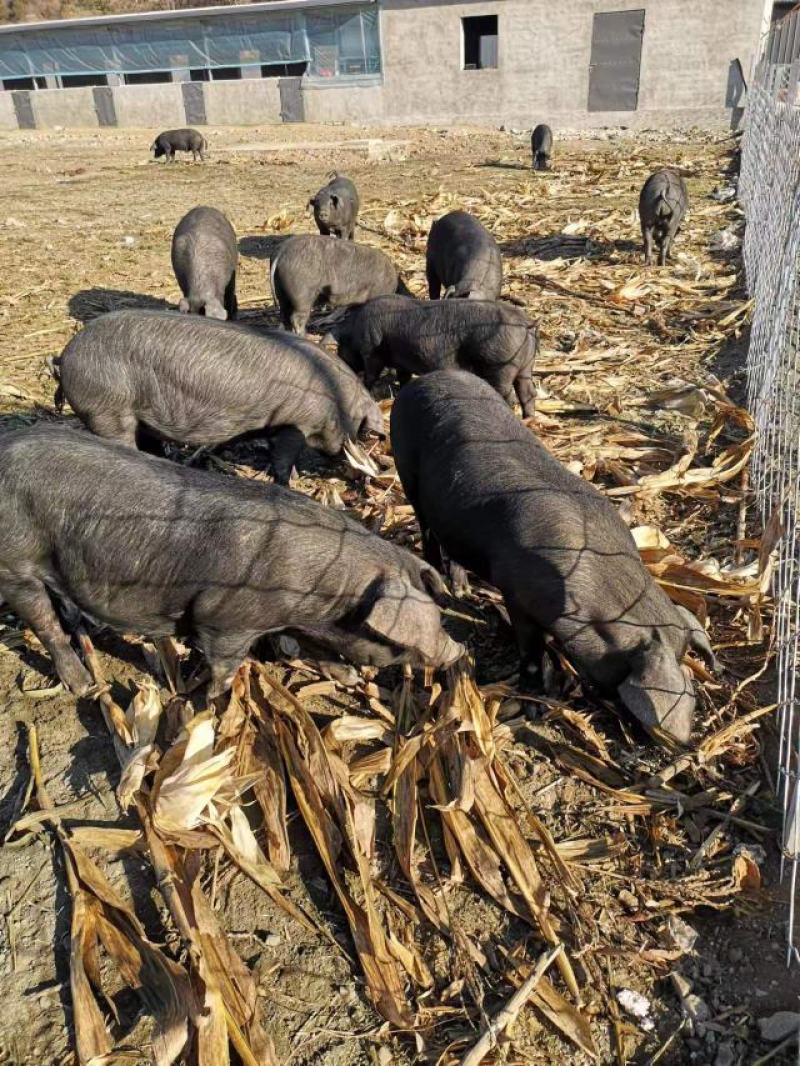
(148,77)
(781,8)
(200,74)
(24,83)
(283,70)
(480,42)
(76,81)
(226,73)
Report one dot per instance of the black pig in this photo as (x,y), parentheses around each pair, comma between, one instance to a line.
(662,204)
(541,147)
(204,258)
(336,208)
(152,547)
(205,382)
(493,340)
(308,271)
(171,141)
(463,257)
(488,494)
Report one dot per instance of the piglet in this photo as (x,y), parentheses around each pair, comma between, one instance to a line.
(336,207)
(204,258)
(308,271)
(463,258)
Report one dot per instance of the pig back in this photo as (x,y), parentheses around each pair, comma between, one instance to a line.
(203,245)
(465,256)
(333,268)
(664,195)
(201,381)
(134,539)
(501,505)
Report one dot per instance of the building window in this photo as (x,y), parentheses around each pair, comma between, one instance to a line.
(480,42)
(75,81)
(226,73)
(24,83)
(200,74)
(283,70)
(148,77)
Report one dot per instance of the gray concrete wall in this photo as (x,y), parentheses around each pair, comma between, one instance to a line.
(150,105)
(544,55)
(8,116)
(249,102)
(69,108)
(350,103)
(687,72)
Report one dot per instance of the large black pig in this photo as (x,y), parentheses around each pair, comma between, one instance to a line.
(489,495)
(204,258)
(463,258)
(336,208)
(152,547)
(171,141)
(493,340)
(199,381)
(308,271)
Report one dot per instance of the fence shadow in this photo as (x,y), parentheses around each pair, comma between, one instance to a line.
(90,303)
(259,246)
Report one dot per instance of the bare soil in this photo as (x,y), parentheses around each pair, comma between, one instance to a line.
(85,226)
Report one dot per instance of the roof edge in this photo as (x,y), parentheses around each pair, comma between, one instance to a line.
(213,11)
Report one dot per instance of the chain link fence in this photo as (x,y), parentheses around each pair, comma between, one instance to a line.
(769,191)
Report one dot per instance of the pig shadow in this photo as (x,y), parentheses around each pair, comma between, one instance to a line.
(503,164)
(89,303)
(547,247)
(262,246)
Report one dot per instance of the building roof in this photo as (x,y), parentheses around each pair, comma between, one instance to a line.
(216,10)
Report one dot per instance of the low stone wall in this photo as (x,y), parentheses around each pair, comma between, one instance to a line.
(69,108)
(250,102)
(150,105)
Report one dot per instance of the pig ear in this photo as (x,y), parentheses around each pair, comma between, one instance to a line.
(312,202)
(698,640)
(658,693)
(407,618)
(434,583)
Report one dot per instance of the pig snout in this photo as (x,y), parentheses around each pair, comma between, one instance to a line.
(372,424)
(659,693)
(410,621)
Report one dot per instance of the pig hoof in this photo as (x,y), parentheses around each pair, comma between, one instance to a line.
(78,680)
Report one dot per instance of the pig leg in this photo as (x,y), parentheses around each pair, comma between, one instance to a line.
(458,577)
(225,653)
(120,427)
(647,236)
(298,320)
(287,443)
(229,300)
(434,285)
(373,368)
(28,598)
(531,647)
(526,393)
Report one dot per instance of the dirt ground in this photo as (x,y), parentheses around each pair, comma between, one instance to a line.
(85,226)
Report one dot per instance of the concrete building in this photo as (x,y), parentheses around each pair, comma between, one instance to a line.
(573,63)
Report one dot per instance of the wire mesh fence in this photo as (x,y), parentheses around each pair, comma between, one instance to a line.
(769,191)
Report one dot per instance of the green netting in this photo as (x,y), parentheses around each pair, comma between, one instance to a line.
(333,41)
